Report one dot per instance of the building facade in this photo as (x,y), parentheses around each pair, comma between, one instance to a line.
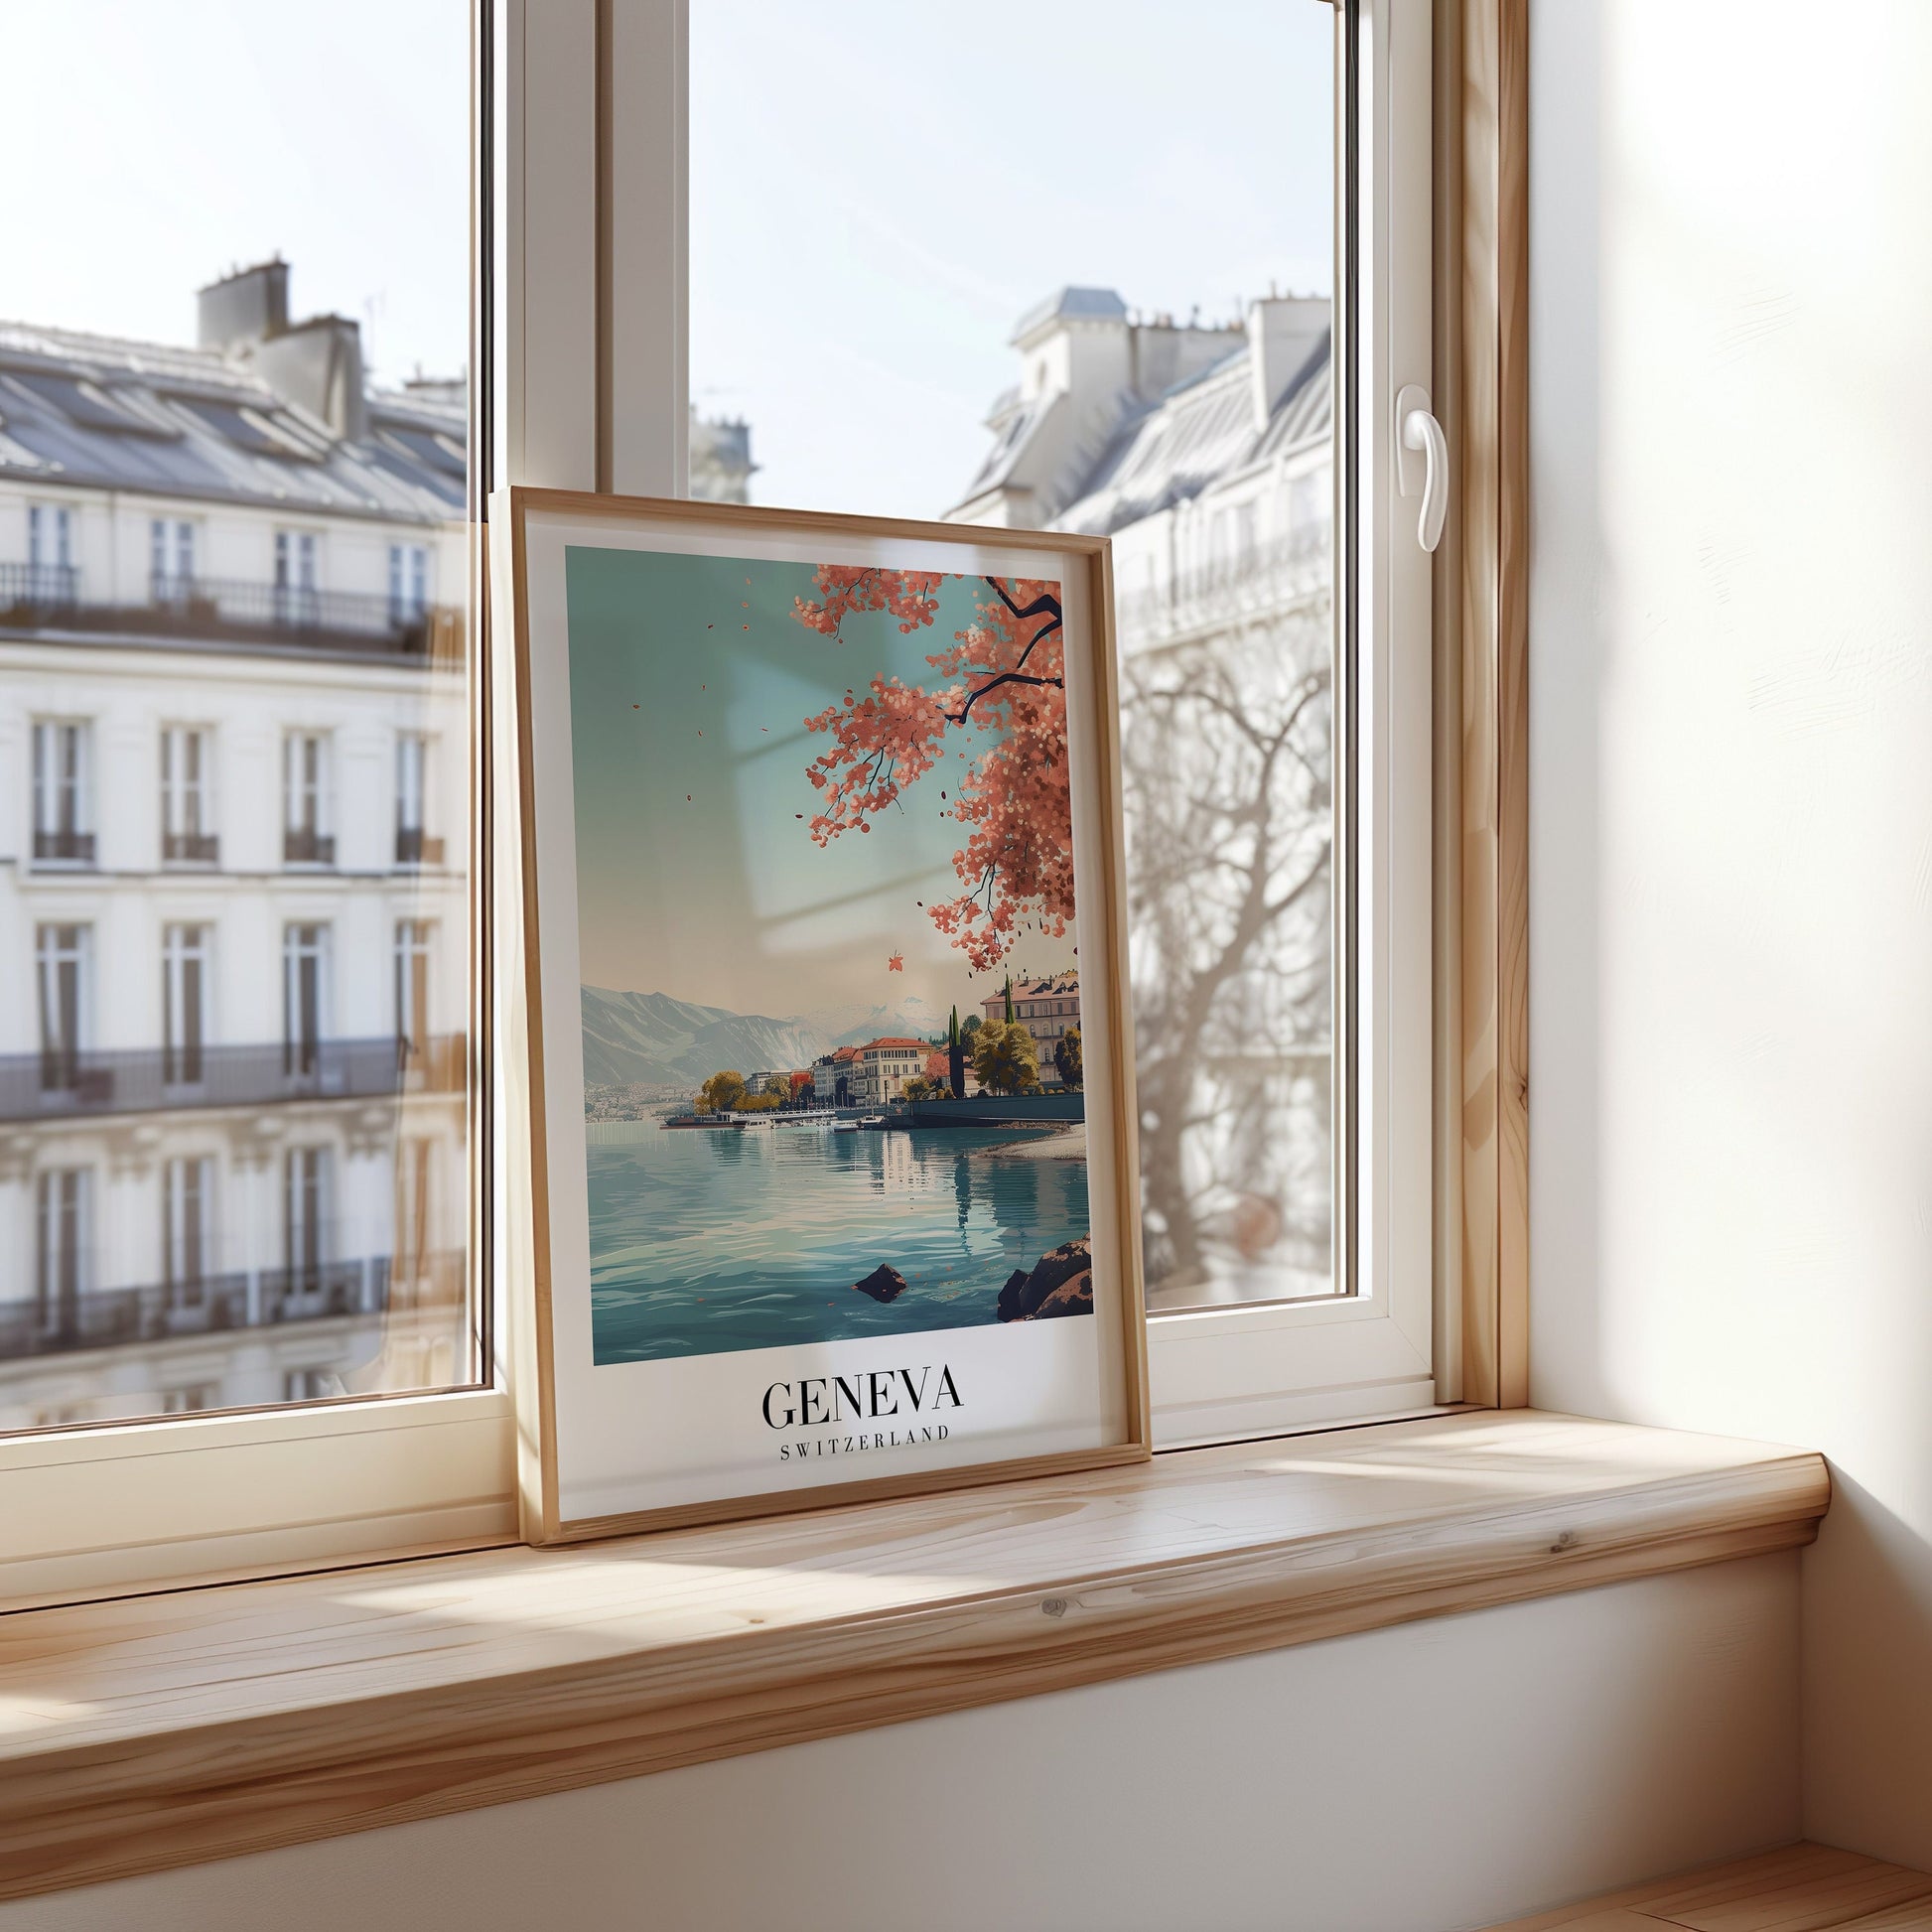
(1206,454)
(884,1066)
(235,774)
(1048,1008)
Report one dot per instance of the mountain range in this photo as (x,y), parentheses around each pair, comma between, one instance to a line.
(650,1038)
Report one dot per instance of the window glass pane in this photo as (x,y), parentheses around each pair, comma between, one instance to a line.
(234,392)
(1091,291)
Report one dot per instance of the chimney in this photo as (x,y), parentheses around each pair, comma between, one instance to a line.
(317,364)
(244,307)
(1282,332)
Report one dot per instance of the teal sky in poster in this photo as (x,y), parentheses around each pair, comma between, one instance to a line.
(691,679)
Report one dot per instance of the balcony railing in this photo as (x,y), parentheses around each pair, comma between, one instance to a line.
(59,1083)
(303,846)
(1242,585)
(191,848)
(414,847)
(63,848)
(217,1305)
(234,611)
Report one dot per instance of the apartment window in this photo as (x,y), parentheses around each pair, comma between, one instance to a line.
(51,577)
(408,582)
(307,1186)
(63,959)
(184,1004)
(187,1212)
(295,599)
(63,771)
(304,996)
(412,991)
(170,559)
(63,1226)
(308,838)
(411,1264)
(414,846)
(187,835)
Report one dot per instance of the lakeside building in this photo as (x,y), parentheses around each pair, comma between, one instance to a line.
(1205,453)
(834,1077)
(882,1067)
(1046,1009)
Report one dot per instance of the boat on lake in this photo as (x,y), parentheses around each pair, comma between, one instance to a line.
(872,1120)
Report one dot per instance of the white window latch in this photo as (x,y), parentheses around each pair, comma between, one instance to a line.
(1422,461)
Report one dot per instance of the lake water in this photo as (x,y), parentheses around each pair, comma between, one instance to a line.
(704,1240)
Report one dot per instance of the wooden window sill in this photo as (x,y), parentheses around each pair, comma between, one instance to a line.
(164,1729)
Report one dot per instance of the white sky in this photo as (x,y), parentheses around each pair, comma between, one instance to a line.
(879,190)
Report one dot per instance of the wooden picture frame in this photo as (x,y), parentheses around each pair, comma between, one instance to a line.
(667,1417)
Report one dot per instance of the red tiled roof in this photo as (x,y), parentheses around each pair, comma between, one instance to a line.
(873,1046)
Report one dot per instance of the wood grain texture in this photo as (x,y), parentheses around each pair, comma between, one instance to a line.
(1485,235)
(1800,1888)
(540,1506)
(165,1729)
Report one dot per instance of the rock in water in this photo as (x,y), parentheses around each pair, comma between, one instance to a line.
(1070,1298)
(884,1283)
(1012,1296)
(1025,1295)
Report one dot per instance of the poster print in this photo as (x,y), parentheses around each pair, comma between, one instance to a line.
(835,1032)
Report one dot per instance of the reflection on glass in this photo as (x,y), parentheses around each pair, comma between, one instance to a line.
(1136,395)
(233,741)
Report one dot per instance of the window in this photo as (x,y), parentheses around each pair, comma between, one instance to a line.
(306,1175)
(414,847)
(305,997)
(184,1005)
(63,760)
(187,835)
(63,955)
(170,559)
(51,576)
(408,582)
(1276,665)
(187,1243)
(307,835)
(412,990)
(265,433)
(296,601)
(62,1248)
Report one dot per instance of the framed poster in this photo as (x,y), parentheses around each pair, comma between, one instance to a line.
(822,959)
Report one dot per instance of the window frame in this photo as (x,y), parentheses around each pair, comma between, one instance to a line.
(108,1509)
(580,343)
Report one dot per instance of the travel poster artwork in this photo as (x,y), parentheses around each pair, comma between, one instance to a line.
(828,946)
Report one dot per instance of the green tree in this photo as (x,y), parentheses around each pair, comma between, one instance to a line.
(1066,1057)
(1006,1058)
(955,1057)
(723,1093)
(758,1103)
(920,1089)
(777,1086)
(970,1026)
(1009,1012)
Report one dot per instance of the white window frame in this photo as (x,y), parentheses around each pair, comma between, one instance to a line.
(588,389)
(307,796)
(187,798)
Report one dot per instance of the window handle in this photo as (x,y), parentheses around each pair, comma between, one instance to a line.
(1419,434)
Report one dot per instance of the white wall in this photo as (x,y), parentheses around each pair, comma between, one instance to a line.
(1732,783)
(1443,1775)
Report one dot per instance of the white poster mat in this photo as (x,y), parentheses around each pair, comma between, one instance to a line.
(642,1436)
